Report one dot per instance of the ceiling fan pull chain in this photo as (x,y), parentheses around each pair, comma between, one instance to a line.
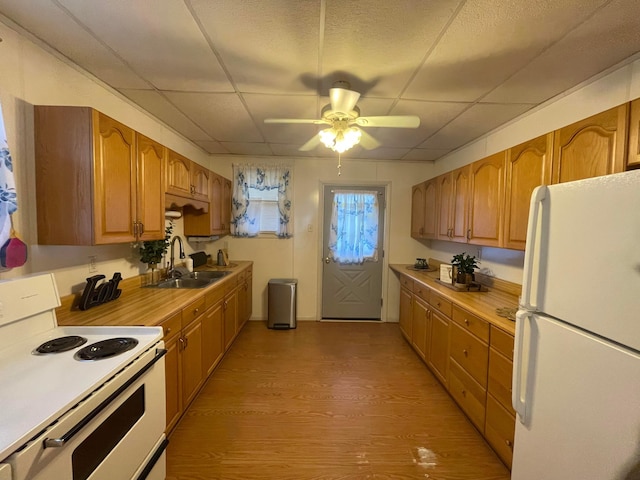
(339,162)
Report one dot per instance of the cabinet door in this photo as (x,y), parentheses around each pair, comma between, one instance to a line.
(173,381)
(417,210)
(114,166)
(430,209)
(230,317)
(633,156)
(592,147)
(445,196)
(249,284)
(460,204)
(406,306)
(486,201)
(178,175)
(150,193)
(217,205)
(200,182)
(212,338)
(192,374)
(438,358)
(226,206)
(528,166)
(420,326)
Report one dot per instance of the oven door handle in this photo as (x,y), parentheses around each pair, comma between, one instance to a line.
(59,442)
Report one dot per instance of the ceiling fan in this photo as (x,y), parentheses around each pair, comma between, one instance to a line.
(345,123)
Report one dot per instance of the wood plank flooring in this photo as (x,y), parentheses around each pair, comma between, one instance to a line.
(322,402)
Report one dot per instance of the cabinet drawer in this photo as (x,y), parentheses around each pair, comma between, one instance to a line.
(421,291)
(193,311)
(502,342)
(406,282)
(468,394)
(499,430)
(499,384)
(470,353)
(214,296)
(471,322)
(171,326)
(441,304)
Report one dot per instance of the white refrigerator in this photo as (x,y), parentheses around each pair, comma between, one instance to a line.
(576,378)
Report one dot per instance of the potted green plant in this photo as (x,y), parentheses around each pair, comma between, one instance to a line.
(465,265)
(152,251)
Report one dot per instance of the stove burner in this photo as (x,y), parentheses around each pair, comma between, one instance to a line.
(106,348)
(61,344)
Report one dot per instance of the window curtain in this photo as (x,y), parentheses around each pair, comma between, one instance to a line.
(353,235)
(244,217)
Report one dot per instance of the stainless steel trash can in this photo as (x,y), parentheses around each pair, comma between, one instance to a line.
(282,303)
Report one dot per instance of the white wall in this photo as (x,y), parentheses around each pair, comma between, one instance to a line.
(33,76)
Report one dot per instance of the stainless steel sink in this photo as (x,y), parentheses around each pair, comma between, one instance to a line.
(208,275)
(183,283)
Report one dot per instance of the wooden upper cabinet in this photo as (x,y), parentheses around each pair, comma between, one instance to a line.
(633,156)
(216,220)
(528,166)
(444,195)
(460,204)
(178,175)
(592,147)
(430,209)
(200,178)
(150,192)
(486,194)
(93,184)
(417,210)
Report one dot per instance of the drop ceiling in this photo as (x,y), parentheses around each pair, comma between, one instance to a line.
(214,70)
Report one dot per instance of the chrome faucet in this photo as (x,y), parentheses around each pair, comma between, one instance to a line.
(171,270)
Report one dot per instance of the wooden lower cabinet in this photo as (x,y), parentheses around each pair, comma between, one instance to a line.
(438,358)
(471,357)
(196,339)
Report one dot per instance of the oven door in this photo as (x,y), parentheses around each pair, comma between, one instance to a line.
(109,435)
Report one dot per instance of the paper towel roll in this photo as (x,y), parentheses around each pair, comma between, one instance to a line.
(172,214)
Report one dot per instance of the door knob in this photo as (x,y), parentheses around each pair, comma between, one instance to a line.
(327,260)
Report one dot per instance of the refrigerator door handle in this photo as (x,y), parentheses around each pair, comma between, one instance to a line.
(539,194)
(520,366)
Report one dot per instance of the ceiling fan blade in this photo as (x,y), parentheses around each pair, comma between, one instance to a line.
(311,144)
(393,121)
(367,141)
(343,100)
(295,120)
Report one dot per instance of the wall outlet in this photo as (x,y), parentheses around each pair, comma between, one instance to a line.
(93,267)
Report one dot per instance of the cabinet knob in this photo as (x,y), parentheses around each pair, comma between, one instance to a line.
(465,353)
(469,234)
(167,330)
(141,228)
(438,304)
(509,443)
(464,393)
(196,310)
(466,322)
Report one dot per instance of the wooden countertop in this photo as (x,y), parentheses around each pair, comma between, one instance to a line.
(483,304)
(139,305)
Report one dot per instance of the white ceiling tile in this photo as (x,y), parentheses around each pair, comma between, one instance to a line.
(159,39)
(157,105)
(289,150)
(211,146)
(284,106)
(489,41)
(243,148)
(48,22)
(266,46)
(378,45)
(221,115)
(433,116)
(473,123)
(585,52)
(381,153)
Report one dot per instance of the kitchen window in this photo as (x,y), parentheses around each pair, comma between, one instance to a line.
(260,201)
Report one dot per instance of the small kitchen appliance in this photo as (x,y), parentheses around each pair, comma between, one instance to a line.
(577,352)
(82,403)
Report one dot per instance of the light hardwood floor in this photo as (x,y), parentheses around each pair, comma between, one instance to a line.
(326,401)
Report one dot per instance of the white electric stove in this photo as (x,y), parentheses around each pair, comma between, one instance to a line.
(93,410)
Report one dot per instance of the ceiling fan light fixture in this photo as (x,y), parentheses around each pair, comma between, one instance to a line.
(340,140)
